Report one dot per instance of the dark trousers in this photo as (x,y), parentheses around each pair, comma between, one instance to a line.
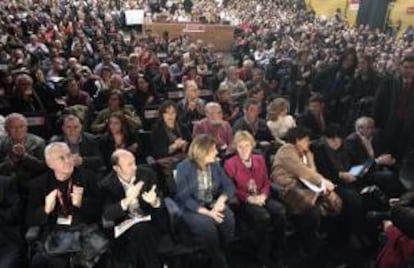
(352,214)
(387,181)
(268,226)
(209,234)
(298,98)
(43,260)
(11,256)
(140,245)
(348,226)
(307,226)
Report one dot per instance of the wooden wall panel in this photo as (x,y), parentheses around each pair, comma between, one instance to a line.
(220,35)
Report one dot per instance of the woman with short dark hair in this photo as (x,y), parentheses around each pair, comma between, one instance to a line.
(307,194)
(169,137)
(170,142)
(332,162)
(118,135)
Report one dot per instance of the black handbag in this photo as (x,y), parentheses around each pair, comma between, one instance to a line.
(94,244)
(62,242)
(86,243)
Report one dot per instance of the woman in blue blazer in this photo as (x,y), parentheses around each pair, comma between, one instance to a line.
(203,190)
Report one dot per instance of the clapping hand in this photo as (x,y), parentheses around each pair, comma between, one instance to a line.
(77,159)
(134,191)
(261,199)
(50,201)
(76,196)
(151,197)
(131,195)
(19,149)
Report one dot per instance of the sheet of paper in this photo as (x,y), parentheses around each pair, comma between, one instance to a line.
(125,225)
(313,187)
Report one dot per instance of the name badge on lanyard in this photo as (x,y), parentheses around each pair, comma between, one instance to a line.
(61,220)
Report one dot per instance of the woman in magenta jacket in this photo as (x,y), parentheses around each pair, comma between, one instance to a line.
(263,213)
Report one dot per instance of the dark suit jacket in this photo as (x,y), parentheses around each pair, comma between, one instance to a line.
(31,165)
(333,83)
(386,106)
(113,192)
(187,185)
(262,85)
(160,88)
(160,140)
(187,117)
(366,87)
(324,163)
(139,99)
(10,212)
(356,150)
(308,120)
(88,150)
(20,105)
(89,212)
(262,133)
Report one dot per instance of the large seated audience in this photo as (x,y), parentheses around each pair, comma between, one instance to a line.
(120,149)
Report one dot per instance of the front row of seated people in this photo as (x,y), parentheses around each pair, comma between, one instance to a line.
(69,195)
(66,197)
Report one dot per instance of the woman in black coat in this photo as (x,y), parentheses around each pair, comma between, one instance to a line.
(117,136)
(169,142)
(169,138)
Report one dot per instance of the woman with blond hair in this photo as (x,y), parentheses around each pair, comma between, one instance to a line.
(203,190)
(278,119)
(264,214)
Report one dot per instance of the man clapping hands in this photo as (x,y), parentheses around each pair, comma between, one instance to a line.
(130,193)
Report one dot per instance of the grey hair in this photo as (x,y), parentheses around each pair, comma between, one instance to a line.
(212,104)
(362,121)
(231,69)
(14,116)
(53,145)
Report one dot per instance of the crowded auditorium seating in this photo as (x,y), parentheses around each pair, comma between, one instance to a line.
(216,134)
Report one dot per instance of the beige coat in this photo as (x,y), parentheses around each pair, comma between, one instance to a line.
(288,166)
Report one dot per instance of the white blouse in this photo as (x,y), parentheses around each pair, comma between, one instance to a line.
(280,127)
